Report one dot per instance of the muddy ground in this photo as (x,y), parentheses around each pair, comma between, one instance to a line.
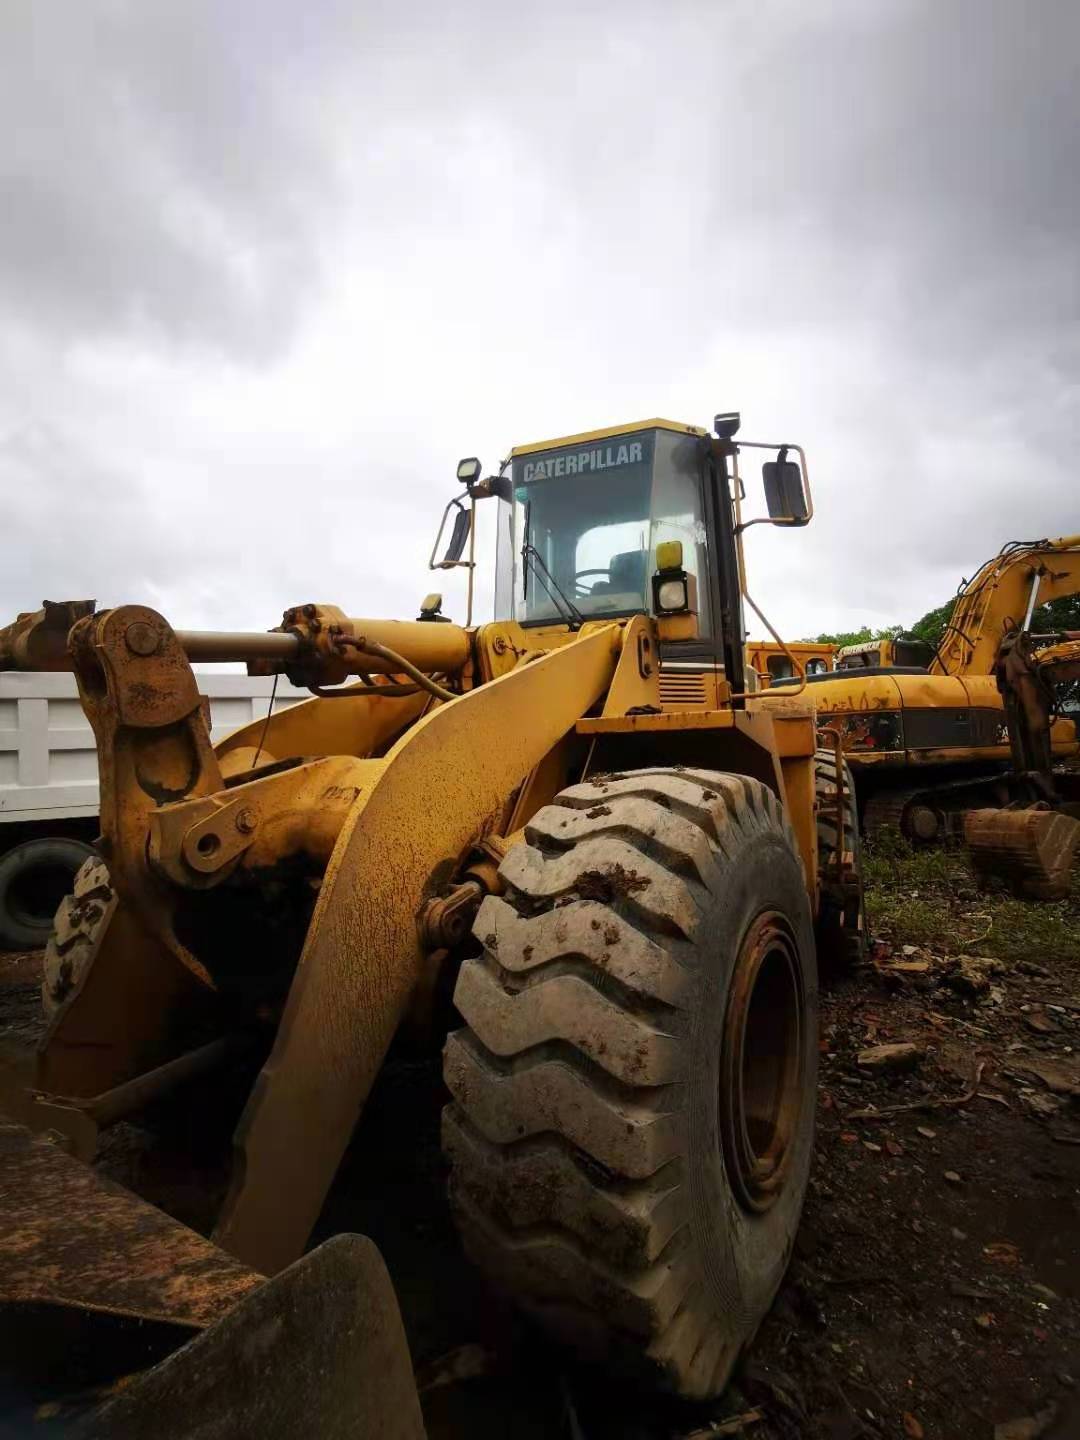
(935,1289)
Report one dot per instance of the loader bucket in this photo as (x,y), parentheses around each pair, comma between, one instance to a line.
(318,1350)
(1031,850)
(96,1286)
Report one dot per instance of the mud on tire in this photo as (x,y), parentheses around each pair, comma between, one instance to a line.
(77,929)
(620,1163)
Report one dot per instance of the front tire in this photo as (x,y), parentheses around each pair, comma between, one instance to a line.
(632,1124)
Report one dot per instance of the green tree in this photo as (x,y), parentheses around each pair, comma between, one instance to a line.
(931,627)
(1063,614)
(861,636)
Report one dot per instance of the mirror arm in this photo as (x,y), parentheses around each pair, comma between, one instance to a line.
(434,564)
(768,519)
(471,562)
(762,520)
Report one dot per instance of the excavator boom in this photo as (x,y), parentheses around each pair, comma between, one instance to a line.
(1002,597)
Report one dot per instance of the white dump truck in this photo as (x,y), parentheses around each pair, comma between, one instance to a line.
(49,786)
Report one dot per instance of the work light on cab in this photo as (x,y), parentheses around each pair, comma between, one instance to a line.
(672,586)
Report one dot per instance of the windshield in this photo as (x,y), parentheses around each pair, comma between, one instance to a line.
(588,519)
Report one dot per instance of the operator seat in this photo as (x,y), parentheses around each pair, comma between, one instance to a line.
(626,573)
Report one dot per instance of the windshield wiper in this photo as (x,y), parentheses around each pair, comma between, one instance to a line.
(572,615)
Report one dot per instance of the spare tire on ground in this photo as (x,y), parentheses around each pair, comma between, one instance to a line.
(34,878)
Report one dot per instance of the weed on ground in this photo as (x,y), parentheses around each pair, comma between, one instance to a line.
(932,897)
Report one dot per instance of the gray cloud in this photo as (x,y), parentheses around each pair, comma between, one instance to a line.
(156,180)
(267,270)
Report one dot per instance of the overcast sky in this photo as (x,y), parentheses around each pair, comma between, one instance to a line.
(267,269)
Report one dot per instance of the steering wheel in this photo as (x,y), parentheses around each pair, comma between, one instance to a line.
(581,589)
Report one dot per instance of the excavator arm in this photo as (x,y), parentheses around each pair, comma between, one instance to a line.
(1031,845)
(1002,597)
(1027,679)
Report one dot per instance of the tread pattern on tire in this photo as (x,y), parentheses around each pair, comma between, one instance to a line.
(81,917)
(568,1128)
(841,937)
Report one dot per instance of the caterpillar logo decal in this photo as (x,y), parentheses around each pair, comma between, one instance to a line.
(583,462)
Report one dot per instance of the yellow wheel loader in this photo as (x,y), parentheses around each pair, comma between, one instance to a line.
(627,894)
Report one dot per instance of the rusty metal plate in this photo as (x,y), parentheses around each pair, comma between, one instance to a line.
(320,1350)
(71,1238)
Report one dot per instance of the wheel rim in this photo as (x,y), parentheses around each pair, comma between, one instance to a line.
(761,1063)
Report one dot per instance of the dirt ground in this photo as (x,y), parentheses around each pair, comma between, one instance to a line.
(935,1288)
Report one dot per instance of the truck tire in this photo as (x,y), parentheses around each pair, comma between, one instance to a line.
(633,1094)
(77,929)
(34,877)
(841,923)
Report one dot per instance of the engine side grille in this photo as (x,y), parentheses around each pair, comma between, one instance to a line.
(683,690)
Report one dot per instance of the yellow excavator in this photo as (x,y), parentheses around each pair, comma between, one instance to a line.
(928,742)
(626,896)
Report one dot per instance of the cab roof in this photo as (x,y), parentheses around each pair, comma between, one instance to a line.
(586,435)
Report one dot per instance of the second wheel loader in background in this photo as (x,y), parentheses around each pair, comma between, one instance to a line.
(628,898)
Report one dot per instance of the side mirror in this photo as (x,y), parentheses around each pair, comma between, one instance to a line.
(785,491)
(460,532)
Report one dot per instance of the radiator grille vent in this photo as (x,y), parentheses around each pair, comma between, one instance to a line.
(682,690)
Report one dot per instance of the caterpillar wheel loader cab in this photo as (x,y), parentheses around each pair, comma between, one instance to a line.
(624,894)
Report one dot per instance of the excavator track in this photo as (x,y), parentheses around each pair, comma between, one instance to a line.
(931,814)
(914,811)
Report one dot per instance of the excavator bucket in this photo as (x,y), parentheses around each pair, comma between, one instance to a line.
(1032,850)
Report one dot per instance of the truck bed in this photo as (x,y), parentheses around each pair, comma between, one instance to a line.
(48,762)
